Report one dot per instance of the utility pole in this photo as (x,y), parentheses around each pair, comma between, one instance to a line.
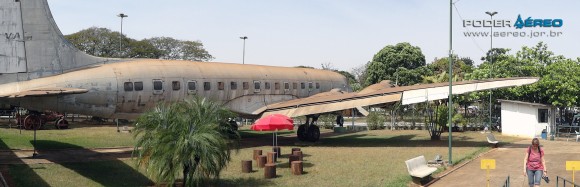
(244,50)
(491,14)
(450,104)
(121,15)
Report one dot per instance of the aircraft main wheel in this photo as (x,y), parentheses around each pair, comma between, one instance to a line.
(313,133)
(61,124)
(301,133)
(32,121)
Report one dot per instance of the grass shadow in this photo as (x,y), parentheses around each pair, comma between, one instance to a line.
(362,140)
(107,173)
(16,172)
(287,165)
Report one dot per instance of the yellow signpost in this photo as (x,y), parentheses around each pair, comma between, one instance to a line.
(573,166)
(487,164)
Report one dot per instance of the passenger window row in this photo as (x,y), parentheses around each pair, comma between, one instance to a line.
(191,85)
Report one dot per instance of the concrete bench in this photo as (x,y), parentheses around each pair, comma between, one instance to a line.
(418,169)
(491,139)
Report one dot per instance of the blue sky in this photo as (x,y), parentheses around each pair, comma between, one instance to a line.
(344,33)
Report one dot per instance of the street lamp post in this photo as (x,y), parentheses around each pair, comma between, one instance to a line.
(121,15)
(450,104)
(491,14)
(244,50)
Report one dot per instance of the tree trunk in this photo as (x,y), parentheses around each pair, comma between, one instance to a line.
(435,136)
(257,152)
(246,166)
(293,158)
(185,173)
(299,154)
(296,168)
(261,161)
(272,157)
(270,171)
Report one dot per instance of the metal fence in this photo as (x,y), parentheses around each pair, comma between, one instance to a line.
(565,182)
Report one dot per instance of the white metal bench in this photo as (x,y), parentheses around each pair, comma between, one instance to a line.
(491,139)
(418,169)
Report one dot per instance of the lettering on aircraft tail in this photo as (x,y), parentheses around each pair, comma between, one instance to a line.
(12,36)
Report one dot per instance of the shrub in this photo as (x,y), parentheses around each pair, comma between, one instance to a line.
(375,121)
(326,121)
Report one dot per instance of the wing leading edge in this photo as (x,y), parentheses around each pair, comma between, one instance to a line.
(386,94)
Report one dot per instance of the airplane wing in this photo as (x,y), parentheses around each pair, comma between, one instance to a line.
(44,92)
(382,93)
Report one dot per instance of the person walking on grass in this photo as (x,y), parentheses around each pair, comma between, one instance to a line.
(535,164)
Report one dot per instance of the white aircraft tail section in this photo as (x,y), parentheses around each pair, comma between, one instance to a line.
(12,57)
(32,46)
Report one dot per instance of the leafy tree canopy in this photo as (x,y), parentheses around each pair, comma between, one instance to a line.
(103,42)
(386,62)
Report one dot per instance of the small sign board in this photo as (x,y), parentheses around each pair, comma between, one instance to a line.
(487,163)
(572,165)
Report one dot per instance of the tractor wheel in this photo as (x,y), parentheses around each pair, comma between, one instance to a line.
(313,133)
(61,124)
(31,122)
(301,133)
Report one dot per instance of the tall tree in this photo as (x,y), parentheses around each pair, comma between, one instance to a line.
(184,139)
(562,83)
(386,62)
(103,42)
(100,42)
(181,50)
(460,67)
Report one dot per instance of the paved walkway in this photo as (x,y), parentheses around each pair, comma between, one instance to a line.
(510,161)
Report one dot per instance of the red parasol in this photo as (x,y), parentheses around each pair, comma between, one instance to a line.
(274,123)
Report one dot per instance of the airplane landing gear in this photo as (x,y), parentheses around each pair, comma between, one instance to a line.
(309,131)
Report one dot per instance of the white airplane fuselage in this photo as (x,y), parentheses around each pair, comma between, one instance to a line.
(124,90)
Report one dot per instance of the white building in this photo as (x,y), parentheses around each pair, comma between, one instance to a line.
(525,119)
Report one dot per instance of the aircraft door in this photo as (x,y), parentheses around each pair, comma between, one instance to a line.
(176,89)
(131,97)
(221,93)
(191,88)
(310,89)
(233,90)
(159,93)
(287,88)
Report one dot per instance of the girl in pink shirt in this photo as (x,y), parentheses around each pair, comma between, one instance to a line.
(534,163)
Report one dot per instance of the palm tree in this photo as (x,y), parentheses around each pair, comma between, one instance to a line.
(184,139)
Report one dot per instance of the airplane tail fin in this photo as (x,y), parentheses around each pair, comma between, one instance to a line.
(32,46)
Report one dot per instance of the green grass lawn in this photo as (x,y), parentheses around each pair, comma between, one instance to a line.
(374,158)
(79,135)
(368,158)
